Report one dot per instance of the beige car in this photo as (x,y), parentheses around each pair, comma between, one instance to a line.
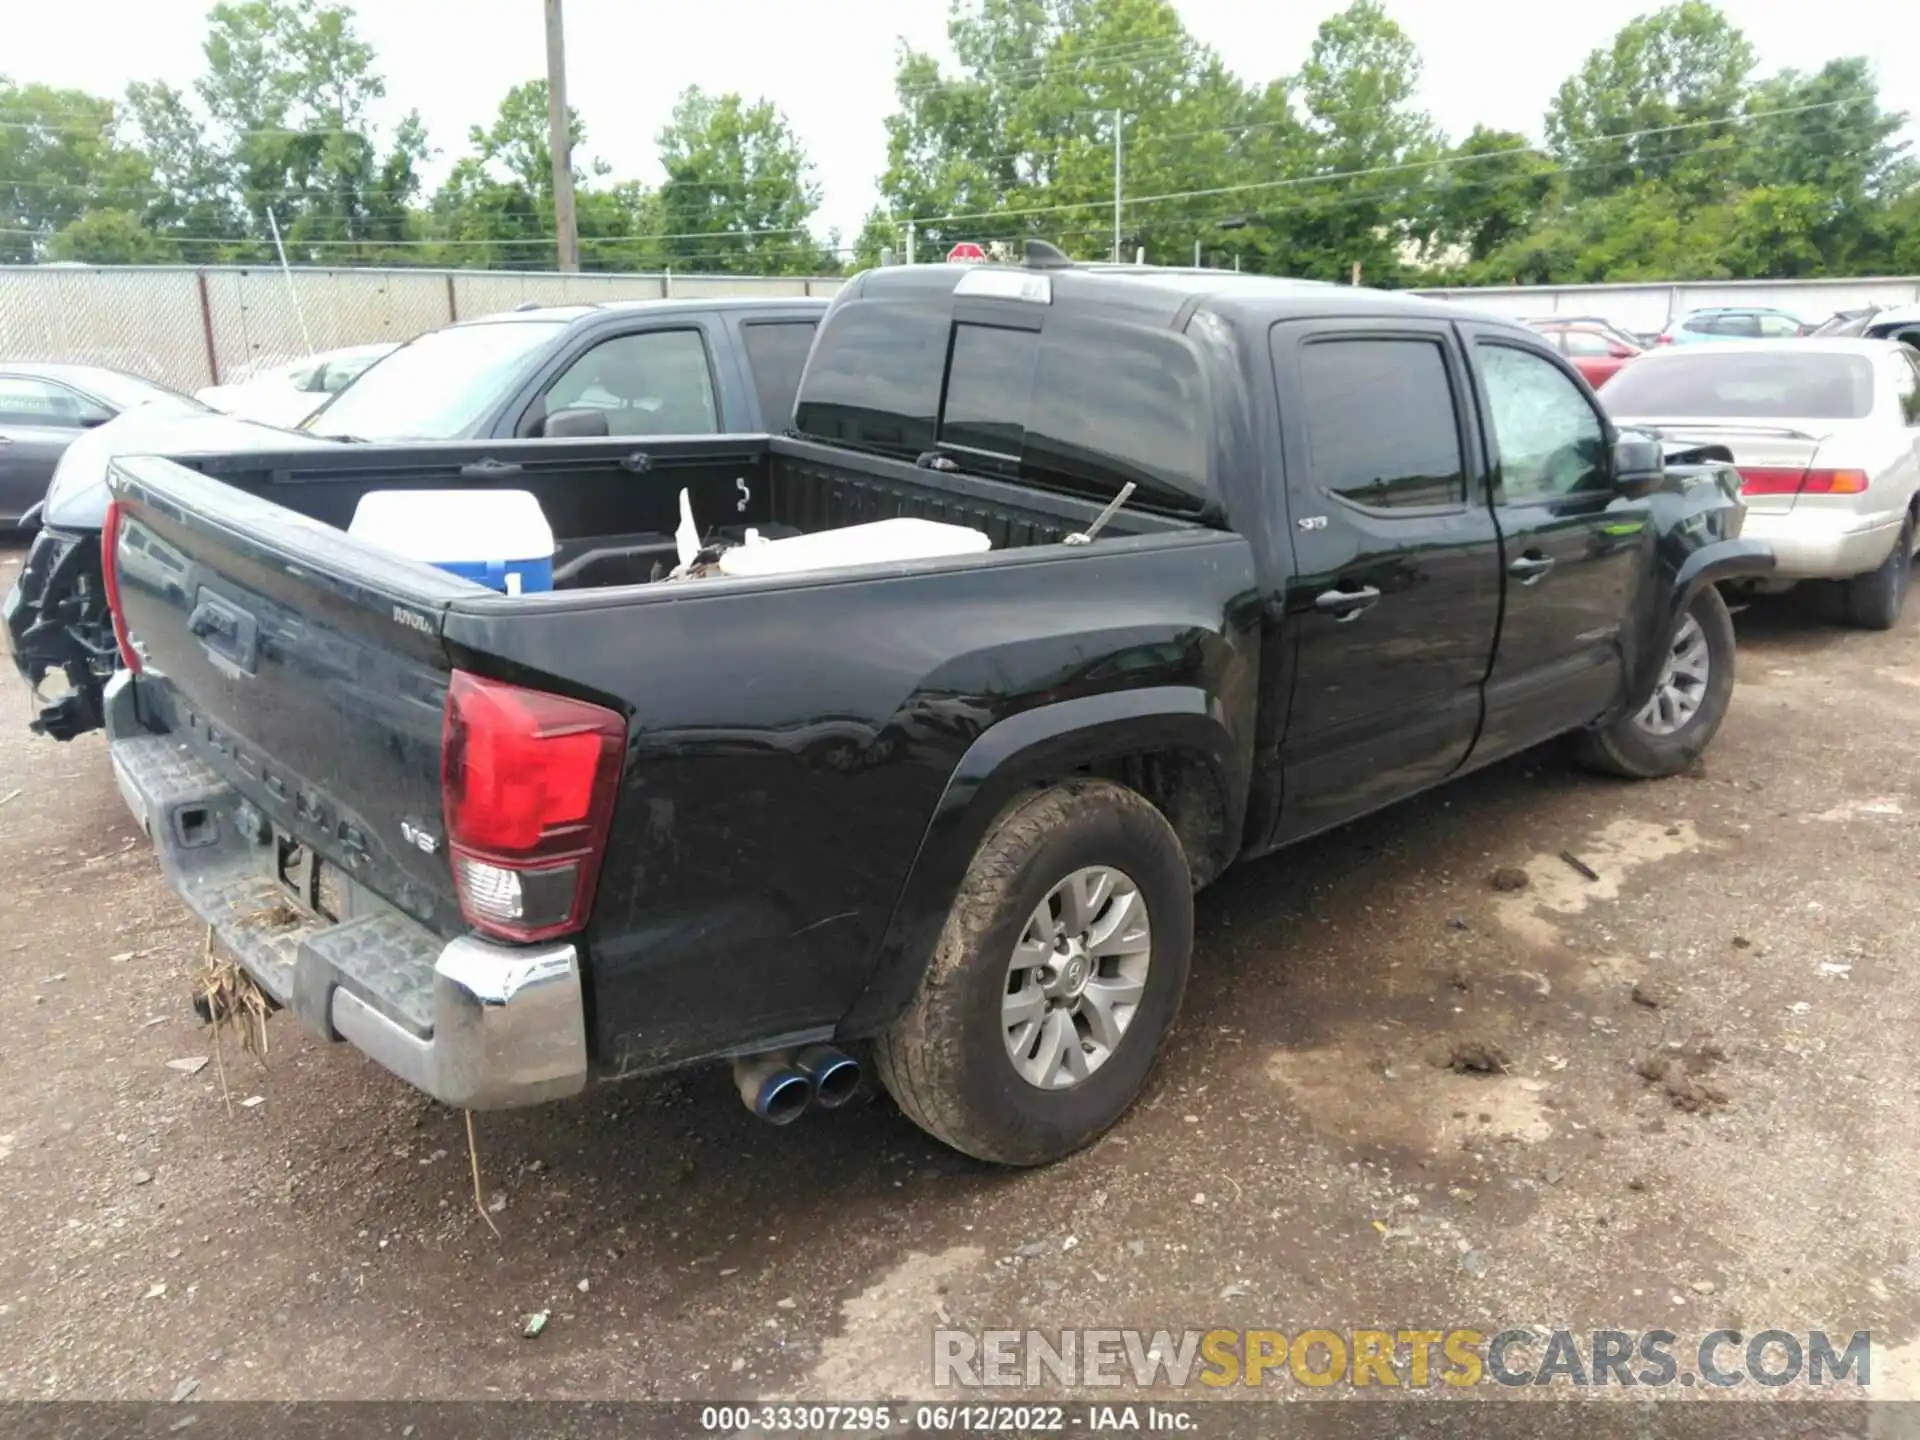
(1826,436)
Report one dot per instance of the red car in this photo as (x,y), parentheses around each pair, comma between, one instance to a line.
(1596,349)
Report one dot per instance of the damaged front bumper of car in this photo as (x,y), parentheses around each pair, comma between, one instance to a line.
(58,624)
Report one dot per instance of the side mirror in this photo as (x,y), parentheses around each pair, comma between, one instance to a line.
(1639,466)
(1617,351)
(576,424)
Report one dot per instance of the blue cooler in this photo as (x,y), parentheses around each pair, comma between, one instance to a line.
(496,538)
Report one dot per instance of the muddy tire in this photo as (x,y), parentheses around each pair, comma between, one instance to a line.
(1873,601)
(1676,726)
(960,1060)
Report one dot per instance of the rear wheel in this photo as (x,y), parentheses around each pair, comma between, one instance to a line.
(1055,981)
(1873,601)
(1669,732)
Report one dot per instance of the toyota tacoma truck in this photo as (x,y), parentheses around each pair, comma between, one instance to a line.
(646,367)
(943,817)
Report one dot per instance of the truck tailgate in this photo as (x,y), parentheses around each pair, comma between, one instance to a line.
(306,669)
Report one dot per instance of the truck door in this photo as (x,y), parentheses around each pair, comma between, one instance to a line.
(1395,597)
(1575,552)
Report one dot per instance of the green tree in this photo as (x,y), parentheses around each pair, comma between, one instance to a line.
(290,87)
(59,159)
(1684,65)
(739,189)
(1371,147)
(193,201)
(1027,124)
(517,141)
(1828,133)
(110,237)
(1486,192)
(497,203)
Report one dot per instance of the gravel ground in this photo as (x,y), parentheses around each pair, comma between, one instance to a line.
(1701,1064)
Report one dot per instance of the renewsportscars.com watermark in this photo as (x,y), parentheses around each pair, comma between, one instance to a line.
(1400,1359)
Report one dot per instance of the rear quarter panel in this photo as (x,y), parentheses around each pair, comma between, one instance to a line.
(788,749)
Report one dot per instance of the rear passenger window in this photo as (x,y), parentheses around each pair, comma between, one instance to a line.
(1381,426)
(1113,403)
(776,354)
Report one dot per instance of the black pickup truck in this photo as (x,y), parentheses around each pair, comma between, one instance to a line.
(944,815)
(637,367)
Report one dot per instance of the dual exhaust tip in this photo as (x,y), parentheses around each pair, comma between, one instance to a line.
(780,1085)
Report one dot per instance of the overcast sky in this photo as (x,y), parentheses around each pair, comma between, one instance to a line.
(829,63)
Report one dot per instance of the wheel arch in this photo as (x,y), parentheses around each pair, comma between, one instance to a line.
(1171,744)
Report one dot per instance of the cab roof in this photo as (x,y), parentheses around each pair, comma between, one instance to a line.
(1164,295)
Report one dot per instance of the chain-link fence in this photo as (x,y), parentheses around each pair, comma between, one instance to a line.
(191,327)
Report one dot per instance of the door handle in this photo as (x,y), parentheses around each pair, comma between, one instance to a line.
(1531,568)
(1347,604)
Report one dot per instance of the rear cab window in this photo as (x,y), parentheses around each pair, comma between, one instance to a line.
(1048,396)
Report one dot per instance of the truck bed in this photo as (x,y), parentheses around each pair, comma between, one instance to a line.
(613,506)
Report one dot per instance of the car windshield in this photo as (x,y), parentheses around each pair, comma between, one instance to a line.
(1803,384)
(437,386)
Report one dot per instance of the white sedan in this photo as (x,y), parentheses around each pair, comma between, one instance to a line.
(287,394)
(1826,436)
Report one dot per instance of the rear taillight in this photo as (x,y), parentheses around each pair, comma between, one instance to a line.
(1788,480)
(528,782)
(1834,482)
(110,582)
(1663,339)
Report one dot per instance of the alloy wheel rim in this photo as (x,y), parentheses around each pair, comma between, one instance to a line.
(1682,688)
(1076,977)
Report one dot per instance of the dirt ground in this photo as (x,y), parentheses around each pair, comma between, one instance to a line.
(1298,1161)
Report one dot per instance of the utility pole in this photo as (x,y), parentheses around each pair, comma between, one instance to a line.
(560,141)
(1116,186)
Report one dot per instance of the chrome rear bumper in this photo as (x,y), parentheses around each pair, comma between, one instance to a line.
(472,1023)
